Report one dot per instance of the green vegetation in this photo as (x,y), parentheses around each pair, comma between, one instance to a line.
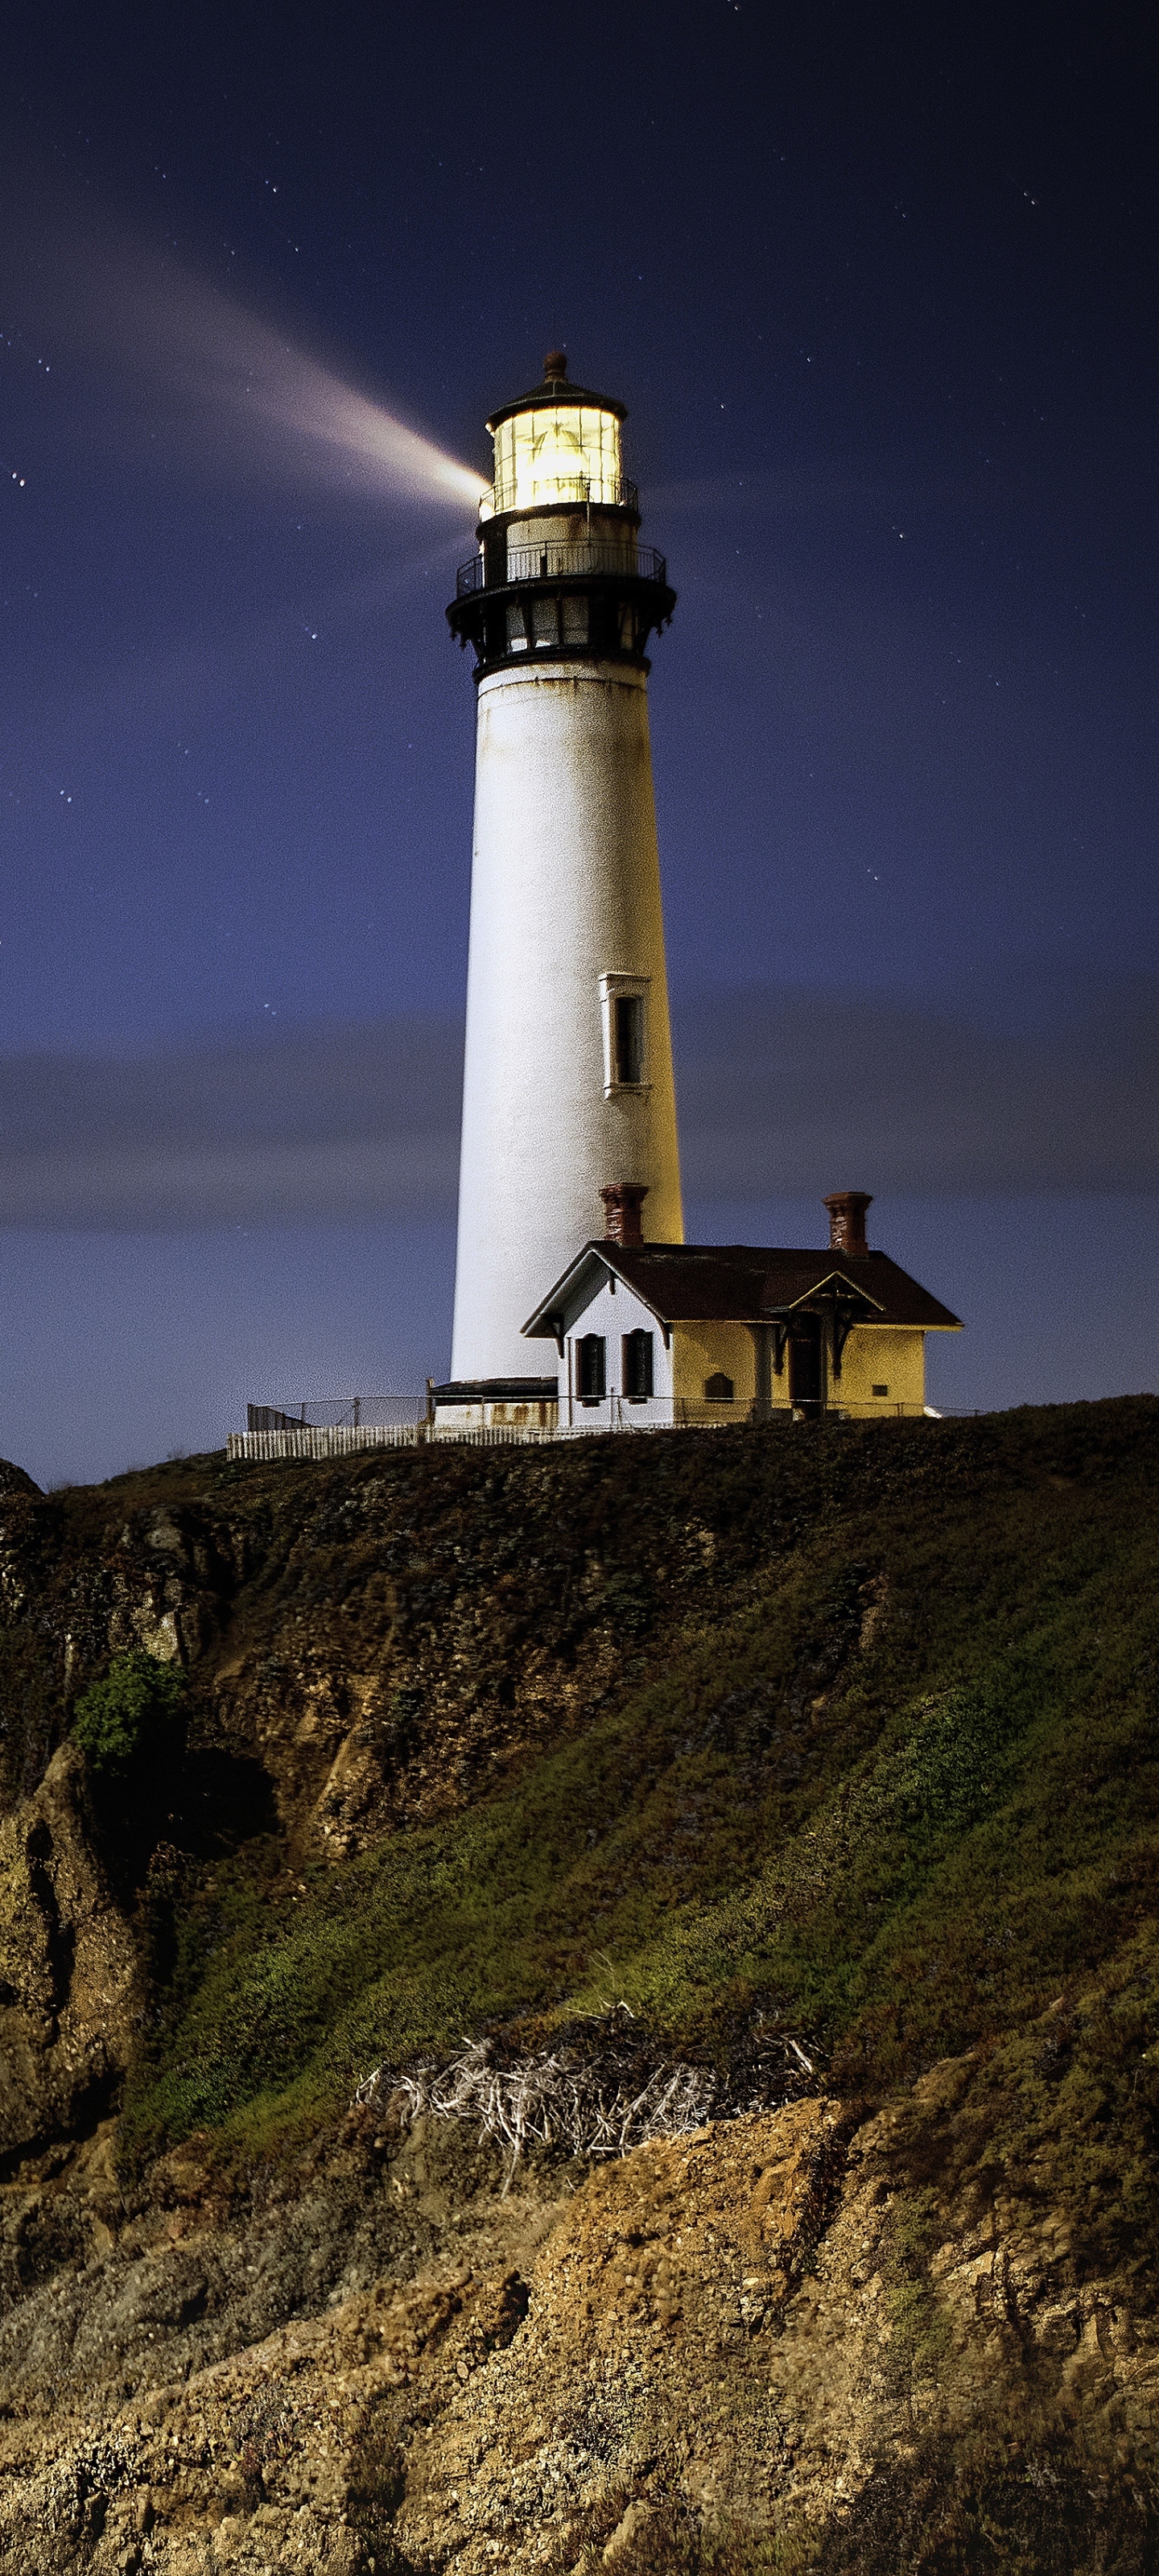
(135,1715)
(901,1797)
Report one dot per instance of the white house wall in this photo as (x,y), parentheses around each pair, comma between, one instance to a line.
(613,1314)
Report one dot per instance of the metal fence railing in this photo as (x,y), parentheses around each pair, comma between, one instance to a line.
(337,1412)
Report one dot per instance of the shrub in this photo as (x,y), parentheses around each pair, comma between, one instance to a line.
(135,1715)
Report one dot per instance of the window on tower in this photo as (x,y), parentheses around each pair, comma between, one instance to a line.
(557,452)
(516,630)
(624,1013)
(629,1037)
(575,618)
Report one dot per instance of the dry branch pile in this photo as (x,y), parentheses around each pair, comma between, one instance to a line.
(606,2090)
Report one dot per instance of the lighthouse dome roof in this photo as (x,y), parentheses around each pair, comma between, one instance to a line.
(555,389)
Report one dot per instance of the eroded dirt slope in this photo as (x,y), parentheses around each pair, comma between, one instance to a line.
(391,2365)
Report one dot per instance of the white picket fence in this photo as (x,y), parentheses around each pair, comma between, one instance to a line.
(342,1439)
(338,1440)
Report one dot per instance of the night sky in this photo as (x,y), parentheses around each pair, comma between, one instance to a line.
(877,286)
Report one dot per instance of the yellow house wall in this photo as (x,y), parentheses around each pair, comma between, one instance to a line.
(875,1355)
(882,1355)
(700,1349)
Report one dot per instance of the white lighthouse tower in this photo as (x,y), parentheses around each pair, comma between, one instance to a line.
(567,1087)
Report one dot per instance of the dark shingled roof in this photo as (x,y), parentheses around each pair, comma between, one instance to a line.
(745,1281)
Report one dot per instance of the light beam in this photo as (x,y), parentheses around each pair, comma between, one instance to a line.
(179,361)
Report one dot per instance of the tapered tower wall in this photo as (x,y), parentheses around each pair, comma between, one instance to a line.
(565,915)
(567,1082)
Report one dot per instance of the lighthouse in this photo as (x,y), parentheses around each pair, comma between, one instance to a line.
(569,1107)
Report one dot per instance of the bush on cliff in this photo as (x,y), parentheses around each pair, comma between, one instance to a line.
(133,1717)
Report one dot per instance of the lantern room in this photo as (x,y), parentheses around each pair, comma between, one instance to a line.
(556,447)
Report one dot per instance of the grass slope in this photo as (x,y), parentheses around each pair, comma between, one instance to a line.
(903,1799)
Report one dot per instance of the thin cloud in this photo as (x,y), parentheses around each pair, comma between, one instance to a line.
(780,1094)
(340,1122)
(797,1090)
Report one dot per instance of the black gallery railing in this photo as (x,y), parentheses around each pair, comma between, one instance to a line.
(560,563)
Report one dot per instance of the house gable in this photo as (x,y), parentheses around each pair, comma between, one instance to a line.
(587,1279)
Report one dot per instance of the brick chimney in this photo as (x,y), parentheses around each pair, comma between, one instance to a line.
(847,1220)
(623,1201)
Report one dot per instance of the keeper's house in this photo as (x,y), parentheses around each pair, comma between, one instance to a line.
(653,1333)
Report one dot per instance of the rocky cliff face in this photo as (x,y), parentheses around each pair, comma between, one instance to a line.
(385,1641)
(69,1990)
(757,2330)
(903,2322)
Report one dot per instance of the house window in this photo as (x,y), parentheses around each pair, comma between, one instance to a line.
(592,1353)
(718,1388)
(636,1350)
(881,1390)
(624,1012)
(629,1037)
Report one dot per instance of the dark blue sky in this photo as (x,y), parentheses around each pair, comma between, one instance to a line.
(878,288)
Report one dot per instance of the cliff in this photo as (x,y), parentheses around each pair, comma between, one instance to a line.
(812,1769)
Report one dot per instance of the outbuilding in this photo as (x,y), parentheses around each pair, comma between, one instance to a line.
(659,1333)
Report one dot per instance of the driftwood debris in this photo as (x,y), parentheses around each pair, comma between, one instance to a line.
(601,2098)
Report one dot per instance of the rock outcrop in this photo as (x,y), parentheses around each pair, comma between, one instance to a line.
(69,1987)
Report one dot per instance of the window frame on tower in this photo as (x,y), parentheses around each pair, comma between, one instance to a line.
(575,622)
(557,455)
(614,990)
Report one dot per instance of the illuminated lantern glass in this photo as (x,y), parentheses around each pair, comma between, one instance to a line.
(560,454)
